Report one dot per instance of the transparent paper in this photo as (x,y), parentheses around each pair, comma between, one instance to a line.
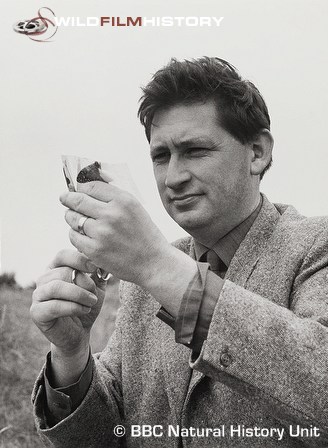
(80,169)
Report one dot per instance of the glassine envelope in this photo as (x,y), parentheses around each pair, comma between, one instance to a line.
(80,170)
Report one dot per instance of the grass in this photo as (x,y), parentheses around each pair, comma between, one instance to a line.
(22,353)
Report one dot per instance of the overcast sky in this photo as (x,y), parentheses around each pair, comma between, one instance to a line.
(79,95)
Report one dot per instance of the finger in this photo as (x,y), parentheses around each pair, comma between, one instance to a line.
(73,218)
(106,177)
(84,281)
(82,203)
(65,274)
(73,259)
(53,309)
(83,243)
(102,191)
(58,289)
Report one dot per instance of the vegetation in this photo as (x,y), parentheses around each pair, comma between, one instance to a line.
(22,353)
(8,279)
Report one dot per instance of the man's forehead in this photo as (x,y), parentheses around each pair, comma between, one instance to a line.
(184,124)
(193,112)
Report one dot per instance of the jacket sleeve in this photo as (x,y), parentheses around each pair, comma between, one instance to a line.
(275,354)
(93,422)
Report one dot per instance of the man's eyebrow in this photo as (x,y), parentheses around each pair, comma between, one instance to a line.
(194,141)
(183,144)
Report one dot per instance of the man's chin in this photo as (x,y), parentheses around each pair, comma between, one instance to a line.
(189,220)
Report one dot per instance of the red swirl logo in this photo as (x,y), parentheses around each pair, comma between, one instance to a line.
(41,26)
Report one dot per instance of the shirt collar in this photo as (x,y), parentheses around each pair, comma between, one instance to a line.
(226,247)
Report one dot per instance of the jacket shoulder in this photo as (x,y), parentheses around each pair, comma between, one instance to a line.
(300,226)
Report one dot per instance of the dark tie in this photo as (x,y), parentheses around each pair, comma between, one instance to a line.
(216,264)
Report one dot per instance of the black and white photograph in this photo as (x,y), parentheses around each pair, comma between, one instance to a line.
(164,224)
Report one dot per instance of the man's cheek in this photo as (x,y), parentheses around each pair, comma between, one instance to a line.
(160,182)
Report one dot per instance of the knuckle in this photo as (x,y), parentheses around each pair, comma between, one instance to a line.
(119,215)
(55,287)
(61,254)
(98,248)
(59,259)
(92,248)
(79,201)
(128,199)
(67,273)
(113,216)
(72,237)
(107,214)
(36,296)
(33,312)
(102,230)
(66,215)
(92,187)
(71,218)
(42,279)
(54,310)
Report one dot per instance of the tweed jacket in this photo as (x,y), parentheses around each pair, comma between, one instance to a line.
(264,364)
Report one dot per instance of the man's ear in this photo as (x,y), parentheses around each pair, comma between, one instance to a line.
(261,148)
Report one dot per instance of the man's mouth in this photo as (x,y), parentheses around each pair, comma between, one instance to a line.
(184,199)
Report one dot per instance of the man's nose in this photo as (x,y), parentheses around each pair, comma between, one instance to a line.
(177,173)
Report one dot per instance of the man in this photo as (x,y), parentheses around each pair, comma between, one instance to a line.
(222,338)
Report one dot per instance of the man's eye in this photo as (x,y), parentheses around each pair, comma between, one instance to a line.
(161,157)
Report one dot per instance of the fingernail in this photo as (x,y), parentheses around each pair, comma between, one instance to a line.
(62,197)
(86,309)
(93,298)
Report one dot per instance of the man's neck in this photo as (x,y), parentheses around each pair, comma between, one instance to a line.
(209,236)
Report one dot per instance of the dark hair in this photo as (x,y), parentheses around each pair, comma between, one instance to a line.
(243,112)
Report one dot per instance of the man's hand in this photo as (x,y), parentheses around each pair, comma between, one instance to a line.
(119,235)
(65,312)
(121,238)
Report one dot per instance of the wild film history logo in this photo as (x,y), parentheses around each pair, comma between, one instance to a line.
(45,25)
(40,28)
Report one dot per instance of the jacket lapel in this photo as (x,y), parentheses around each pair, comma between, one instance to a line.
(253,245)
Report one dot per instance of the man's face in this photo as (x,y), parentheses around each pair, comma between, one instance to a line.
(202,171)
